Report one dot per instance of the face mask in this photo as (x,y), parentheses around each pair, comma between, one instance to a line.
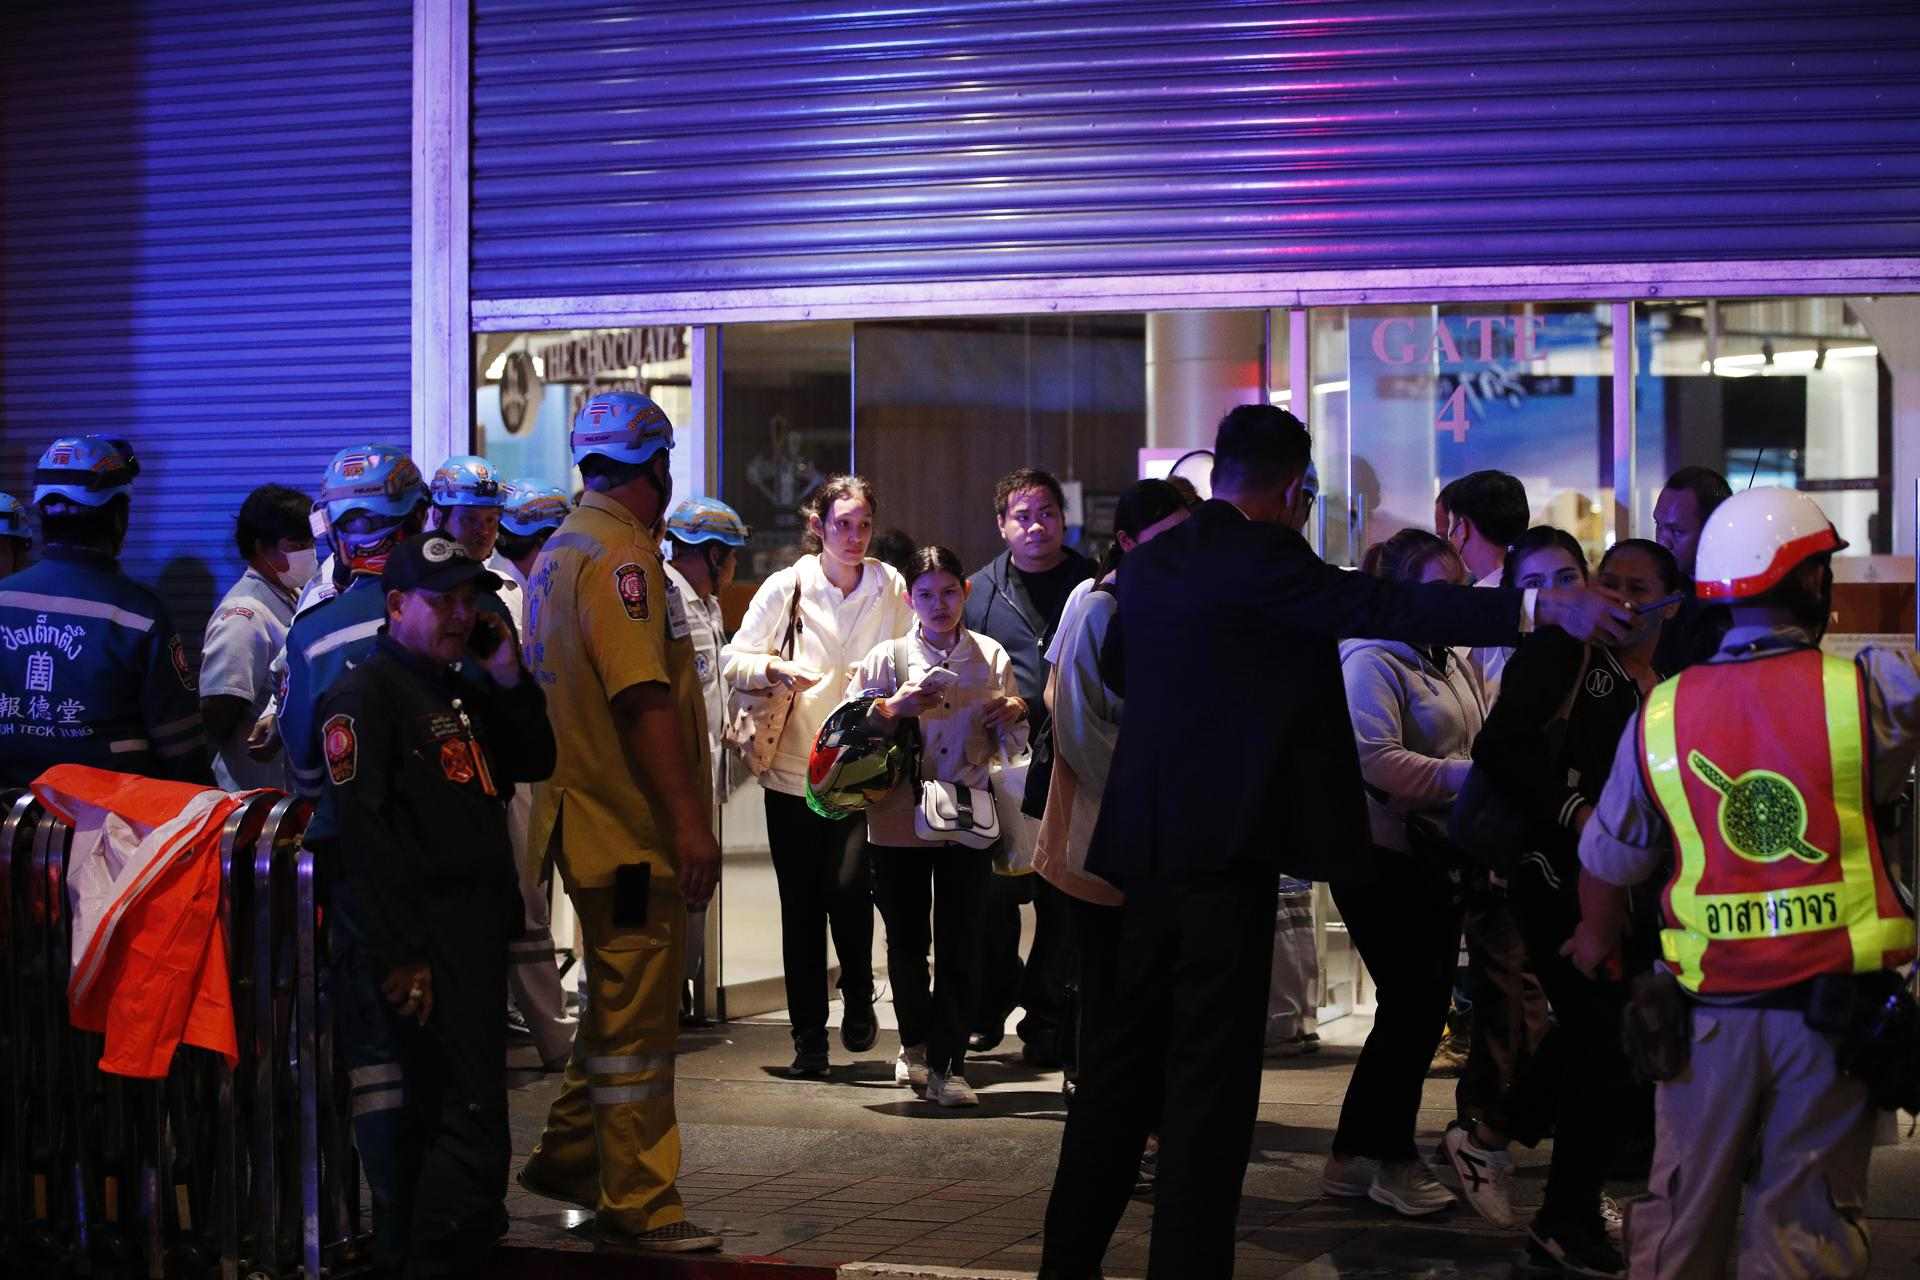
(301,566)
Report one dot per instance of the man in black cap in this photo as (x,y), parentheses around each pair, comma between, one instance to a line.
(423,741)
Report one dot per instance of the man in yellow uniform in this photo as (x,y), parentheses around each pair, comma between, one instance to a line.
(626,818)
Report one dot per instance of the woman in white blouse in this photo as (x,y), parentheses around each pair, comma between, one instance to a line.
(960,687)
(842,604)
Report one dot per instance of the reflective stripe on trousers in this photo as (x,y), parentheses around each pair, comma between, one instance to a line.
(614,1119)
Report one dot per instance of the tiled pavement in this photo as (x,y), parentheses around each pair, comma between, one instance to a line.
(818,1175)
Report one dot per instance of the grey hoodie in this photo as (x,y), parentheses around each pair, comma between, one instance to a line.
(1414,724)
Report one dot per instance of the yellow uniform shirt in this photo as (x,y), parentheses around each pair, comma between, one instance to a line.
(602,618)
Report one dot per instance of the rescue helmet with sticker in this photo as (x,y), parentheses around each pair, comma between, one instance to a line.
(371,477)
(467,480)
(623,426)
(380,481)
(89,470)
(13,519)
(1755,539)
(853,764)
(699,520)
(534,508)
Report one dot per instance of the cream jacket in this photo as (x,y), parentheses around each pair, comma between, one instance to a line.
(836,631)
(953,745)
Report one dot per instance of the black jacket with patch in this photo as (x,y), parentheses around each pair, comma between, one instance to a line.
(421,763)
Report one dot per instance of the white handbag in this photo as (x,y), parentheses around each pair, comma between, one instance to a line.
(952,814)
(1008,782)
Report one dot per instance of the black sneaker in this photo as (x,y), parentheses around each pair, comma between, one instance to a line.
(680,1237)
(859,1029)
(808,1065)
(985,1041)
(1576,1250)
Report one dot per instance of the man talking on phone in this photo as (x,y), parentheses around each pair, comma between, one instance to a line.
(628,821)
(423,740)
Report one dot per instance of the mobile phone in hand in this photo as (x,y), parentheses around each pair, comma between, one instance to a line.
(485,636)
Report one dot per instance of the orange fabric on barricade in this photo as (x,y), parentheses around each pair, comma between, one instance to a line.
(143,880)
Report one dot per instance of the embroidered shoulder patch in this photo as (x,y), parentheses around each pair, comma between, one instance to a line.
(631,580)
(177,652)
(342,746)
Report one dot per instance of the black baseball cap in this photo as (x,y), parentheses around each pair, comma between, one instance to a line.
(434,562)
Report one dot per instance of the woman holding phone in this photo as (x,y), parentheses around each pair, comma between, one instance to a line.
(960,687)
(837,603)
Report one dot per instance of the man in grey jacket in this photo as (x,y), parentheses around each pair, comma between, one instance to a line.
(1017,599)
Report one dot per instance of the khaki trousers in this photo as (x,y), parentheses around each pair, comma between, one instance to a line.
(1762,1115)
(612,1130)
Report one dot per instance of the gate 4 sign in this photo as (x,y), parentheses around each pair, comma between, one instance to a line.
(1461,363)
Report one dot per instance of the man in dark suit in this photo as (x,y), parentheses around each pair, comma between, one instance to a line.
(1235,762)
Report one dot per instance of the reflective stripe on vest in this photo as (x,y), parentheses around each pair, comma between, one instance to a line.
(1760,769)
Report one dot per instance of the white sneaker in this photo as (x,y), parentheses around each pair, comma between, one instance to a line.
(910,1068)
(1486,1177)
(1614,1219)
(1348,1177)
(1409,1188)
(950,1090)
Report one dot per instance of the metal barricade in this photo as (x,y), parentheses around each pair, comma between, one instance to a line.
(241,1171)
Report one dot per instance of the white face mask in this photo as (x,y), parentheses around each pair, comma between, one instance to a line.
(301,566)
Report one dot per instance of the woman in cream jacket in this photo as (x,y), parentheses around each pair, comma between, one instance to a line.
(843,603)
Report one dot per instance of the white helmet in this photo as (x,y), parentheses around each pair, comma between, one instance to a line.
(1755,539)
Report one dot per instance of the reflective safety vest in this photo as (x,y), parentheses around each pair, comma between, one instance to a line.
(1761,771)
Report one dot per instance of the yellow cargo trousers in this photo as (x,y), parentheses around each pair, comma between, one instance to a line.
(612,1139)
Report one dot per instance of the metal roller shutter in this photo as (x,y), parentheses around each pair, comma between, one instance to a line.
(628,148)
(207,212)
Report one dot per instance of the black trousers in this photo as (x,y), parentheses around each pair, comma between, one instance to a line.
(430,1102)
(1579,1077)
(1406,926)
(1042,985)
(1509,1018)
(820,867)
(951,883)
(1174,1042)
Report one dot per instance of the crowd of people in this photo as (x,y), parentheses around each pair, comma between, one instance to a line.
(487,683)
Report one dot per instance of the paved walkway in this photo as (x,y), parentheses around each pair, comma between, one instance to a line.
(855,1169)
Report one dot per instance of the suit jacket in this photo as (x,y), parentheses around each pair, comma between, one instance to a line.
(1235,747)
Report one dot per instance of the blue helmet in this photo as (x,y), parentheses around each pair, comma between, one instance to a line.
(534,508)
(371,477)
(466,480)
(13,518)
(622,425)
(89,470)
(707,520)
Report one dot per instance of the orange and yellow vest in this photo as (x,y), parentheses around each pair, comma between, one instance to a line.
(1761,771)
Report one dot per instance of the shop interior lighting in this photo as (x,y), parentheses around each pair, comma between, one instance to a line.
(1319,388)
(1800,361)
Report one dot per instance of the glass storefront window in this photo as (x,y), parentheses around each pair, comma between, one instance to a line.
(1406,399)
(1784,392)
(528,386)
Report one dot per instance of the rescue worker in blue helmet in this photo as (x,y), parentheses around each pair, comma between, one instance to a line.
(15,538)
(528,516)
(532,513)
(374,499)
(610,645)
(705,535)
(468,499)
(92,671)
